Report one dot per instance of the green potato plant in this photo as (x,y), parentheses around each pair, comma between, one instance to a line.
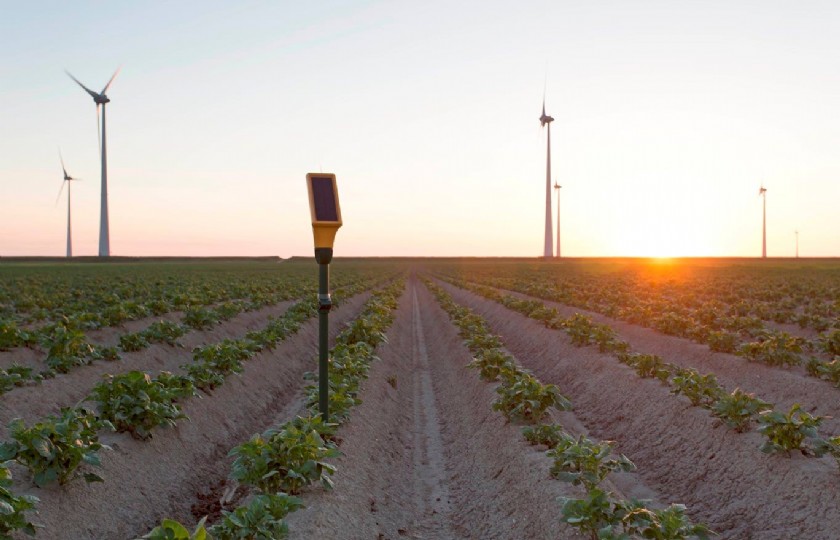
(13,507)
(829,371)
(786,432)
(68,348)
(137,403)
(545,434)
(11,336)
(169,529)
(584,461)
(15,375)
(133,342)
(200,318)
(164,331)
(776,349)
(581,329)
(738,409)
(54,448)
(722,341)
(491,362)
(648,366)
(523,397)
(285,459)
(595,515)
(669,523)
(701,390)
(830,446)
(261,519)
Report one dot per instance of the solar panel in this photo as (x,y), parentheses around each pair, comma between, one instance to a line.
(324,199)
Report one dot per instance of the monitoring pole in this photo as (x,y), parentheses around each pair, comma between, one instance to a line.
(326,220)
(324,257)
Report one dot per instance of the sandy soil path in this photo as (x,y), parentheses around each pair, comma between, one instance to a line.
(681,451)
(424,456)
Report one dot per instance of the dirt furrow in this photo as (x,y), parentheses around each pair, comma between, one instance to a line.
(146,481)
(424,455)
(681,451)
(432,495)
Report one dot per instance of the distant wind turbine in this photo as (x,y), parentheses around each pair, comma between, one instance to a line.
(797,243)
(557,189)
(101,99)
(548,248)
(67,180)
(763,194)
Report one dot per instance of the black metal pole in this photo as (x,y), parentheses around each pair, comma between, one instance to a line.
(323,256)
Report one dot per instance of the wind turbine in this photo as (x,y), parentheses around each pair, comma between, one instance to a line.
(101,99)
(763,194)
(797,243)
(548,248)
(557,189)
(67,180)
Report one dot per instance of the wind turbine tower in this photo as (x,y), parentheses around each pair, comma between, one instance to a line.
(557,189)
(67,180)
(797,243)
(763,194)
(546,120)
(101,99)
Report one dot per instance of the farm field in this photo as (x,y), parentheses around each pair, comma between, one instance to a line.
(471,399)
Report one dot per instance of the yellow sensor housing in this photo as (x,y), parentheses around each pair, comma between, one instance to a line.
(324,208)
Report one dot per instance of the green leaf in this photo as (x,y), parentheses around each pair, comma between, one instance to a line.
(93,477)
(6,509)
(43,447)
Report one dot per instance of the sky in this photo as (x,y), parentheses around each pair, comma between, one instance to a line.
(669,116)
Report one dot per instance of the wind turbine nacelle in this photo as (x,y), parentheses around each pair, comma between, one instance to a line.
(102,99)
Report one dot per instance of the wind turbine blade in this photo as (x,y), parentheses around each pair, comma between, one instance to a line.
(114,76)
(63,168)
(545,86)
(59,192)
(85,88)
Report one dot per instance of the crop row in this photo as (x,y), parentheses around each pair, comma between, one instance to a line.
(794,430)
(578,460)
(279,463)
(109,295)
(134,402)
(742,335)
(66,346)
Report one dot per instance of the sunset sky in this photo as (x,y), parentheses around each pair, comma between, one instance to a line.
(669,115)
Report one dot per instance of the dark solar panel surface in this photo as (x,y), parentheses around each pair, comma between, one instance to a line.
(324,198)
